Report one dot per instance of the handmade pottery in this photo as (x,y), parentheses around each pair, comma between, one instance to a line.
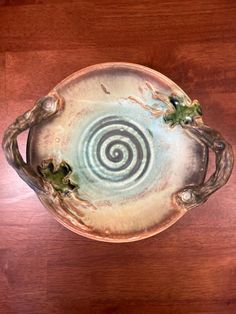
(118,152)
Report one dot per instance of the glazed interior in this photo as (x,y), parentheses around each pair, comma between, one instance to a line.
(126,162)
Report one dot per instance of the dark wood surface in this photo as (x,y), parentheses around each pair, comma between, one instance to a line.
(189,268)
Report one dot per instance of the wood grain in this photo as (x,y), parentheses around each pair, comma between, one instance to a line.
(189,268)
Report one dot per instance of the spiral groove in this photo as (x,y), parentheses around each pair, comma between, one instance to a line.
(117,150)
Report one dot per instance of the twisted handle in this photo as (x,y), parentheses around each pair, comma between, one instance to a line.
(193,196)
(44,108)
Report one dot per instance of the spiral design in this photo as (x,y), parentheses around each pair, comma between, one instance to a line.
(117,150)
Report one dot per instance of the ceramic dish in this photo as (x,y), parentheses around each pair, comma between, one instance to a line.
(118,152)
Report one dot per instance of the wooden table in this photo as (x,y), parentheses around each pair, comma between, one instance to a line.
(189,268)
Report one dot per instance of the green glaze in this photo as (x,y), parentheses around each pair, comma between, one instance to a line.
(182,114)
(59,177)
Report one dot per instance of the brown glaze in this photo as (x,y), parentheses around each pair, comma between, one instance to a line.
(167,202)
